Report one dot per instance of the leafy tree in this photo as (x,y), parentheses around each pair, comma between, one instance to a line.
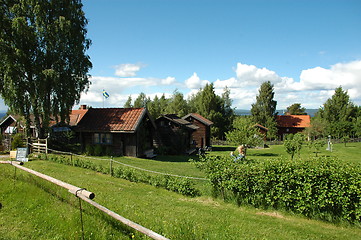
(338,113)
(43,65)
(316,145)
(264,110)
(296,109)
(154,107)
(128,103)
(210,106)
(177,104)
(293,143)
(357,123)
(228,116)
(317,128)
(244,132)
(163,104)
(141,101)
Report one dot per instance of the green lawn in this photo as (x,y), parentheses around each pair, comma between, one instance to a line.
(35,209)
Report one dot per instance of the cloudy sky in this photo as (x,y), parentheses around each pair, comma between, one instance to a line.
(306,48)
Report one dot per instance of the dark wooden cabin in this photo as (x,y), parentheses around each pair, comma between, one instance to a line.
(174,134)
(202,136)
(127,131)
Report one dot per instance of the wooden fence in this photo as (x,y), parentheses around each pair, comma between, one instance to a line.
(40,146)
(87,197)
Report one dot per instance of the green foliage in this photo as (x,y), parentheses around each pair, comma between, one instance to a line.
(323,188)
(316,145)
(244,133)
(17,141)
(98,150)
(175,184)
(264,109)
(296,109)
(43,65)
(338,113)
(345,139)
(89,150)
(293,143)
(177,104)
(128,103)
(141,101)
(215,108)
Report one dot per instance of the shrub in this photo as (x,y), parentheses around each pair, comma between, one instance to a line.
(323,188)
(98,150)
(89,150)
(17,141)
(175,184)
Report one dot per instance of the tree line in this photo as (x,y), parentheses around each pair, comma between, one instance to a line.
(205,102)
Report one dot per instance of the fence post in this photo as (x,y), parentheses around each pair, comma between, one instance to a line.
(111,166)
(72,160)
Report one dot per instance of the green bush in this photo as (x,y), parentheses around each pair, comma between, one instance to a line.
(98,150)
(175,184)
(89,150)
(323,188)
(17,141)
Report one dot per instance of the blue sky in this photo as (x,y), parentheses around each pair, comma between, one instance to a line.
(306,48)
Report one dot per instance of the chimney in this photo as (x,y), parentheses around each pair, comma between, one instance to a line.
(82,107)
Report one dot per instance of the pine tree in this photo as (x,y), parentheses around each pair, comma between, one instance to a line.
(296,109)
(338,114)
(264,110)
(141,101)
(128,103)
(177,105)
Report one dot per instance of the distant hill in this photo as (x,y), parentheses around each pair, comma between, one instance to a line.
(245,112)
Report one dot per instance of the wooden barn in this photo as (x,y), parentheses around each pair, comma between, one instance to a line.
(127,131)
(175,134)
(202,136)
(292,124)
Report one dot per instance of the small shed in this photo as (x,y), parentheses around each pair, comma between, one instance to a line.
(202,136)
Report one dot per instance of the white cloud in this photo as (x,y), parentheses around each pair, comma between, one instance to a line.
(168,81)
(315,86)
(347,75)
(194,82)
(127,69)
(250,75)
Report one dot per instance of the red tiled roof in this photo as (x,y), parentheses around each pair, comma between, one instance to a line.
(295,121)
(199,118)
(76,115)
(111,119)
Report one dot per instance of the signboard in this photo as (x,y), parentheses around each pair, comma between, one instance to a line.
(21,154)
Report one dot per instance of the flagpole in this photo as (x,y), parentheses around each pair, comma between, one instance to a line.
(103,97)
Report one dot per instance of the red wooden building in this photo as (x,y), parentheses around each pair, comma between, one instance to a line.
(202,136)
(292,124)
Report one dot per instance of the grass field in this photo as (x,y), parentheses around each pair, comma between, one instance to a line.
(35,209)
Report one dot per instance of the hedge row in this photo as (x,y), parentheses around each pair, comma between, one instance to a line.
(180,185)
(323,188)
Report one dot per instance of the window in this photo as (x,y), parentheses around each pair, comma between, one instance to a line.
(102,138)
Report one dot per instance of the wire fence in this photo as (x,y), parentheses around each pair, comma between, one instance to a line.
(121,163)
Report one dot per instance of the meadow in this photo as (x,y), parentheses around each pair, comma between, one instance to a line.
(35,209)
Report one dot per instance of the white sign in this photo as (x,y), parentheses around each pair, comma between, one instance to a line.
(21,154)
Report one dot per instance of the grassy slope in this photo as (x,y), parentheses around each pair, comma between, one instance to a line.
(31,212)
